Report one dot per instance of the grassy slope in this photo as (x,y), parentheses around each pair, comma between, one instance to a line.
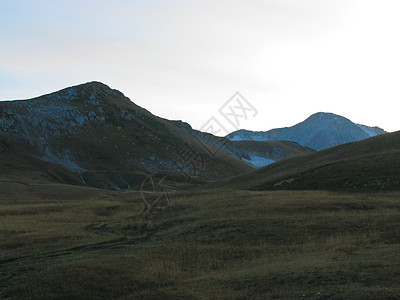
(84,243)
(367,165)
(19,164)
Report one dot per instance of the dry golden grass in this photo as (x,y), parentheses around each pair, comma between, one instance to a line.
(210,244)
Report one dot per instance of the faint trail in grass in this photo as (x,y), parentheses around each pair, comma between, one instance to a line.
(14,267)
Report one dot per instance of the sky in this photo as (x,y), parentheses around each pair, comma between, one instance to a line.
(182,59)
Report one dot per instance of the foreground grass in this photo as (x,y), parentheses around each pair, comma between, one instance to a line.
(91,244)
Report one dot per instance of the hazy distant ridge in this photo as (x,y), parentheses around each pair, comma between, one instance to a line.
(319,131)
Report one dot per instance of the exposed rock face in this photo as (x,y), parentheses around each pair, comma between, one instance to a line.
(99,133)
(319,131)
(256,153)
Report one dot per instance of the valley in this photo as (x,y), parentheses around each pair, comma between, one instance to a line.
(100,199)
(196,150)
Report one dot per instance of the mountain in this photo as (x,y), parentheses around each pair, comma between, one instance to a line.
(20,163)
(96,134)
(256,153)
(371,164)
(263,153)
(319,131)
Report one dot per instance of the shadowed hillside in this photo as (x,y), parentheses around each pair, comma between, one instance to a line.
(262,153)
(372,164)
(255,153)
(106,140)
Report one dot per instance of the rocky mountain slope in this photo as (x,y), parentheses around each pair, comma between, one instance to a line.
(371,164)
(319,131)
(95,133)
(256,153)
(263,153)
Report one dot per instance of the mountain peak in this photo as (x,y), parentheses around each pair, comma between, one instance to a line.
(91,91)
(325,115)
(319,131)
(322,113)
(93,85)
(94,88)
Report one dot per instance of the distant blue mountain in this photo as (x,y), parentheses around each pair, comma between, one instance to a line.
(319,131)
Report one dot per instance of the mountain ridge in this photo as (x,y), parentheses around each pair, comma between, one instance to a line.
(319,131)
(98,133)
(256,153)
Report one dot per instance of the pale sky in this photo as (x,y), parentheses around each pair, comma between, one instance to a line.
(185,59)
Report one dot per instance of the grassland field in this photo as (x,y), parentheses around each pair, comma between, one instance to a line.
(69,242)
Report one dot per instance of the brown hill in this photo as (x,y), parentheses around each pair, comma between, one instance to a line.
(100,136)
(372,164)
